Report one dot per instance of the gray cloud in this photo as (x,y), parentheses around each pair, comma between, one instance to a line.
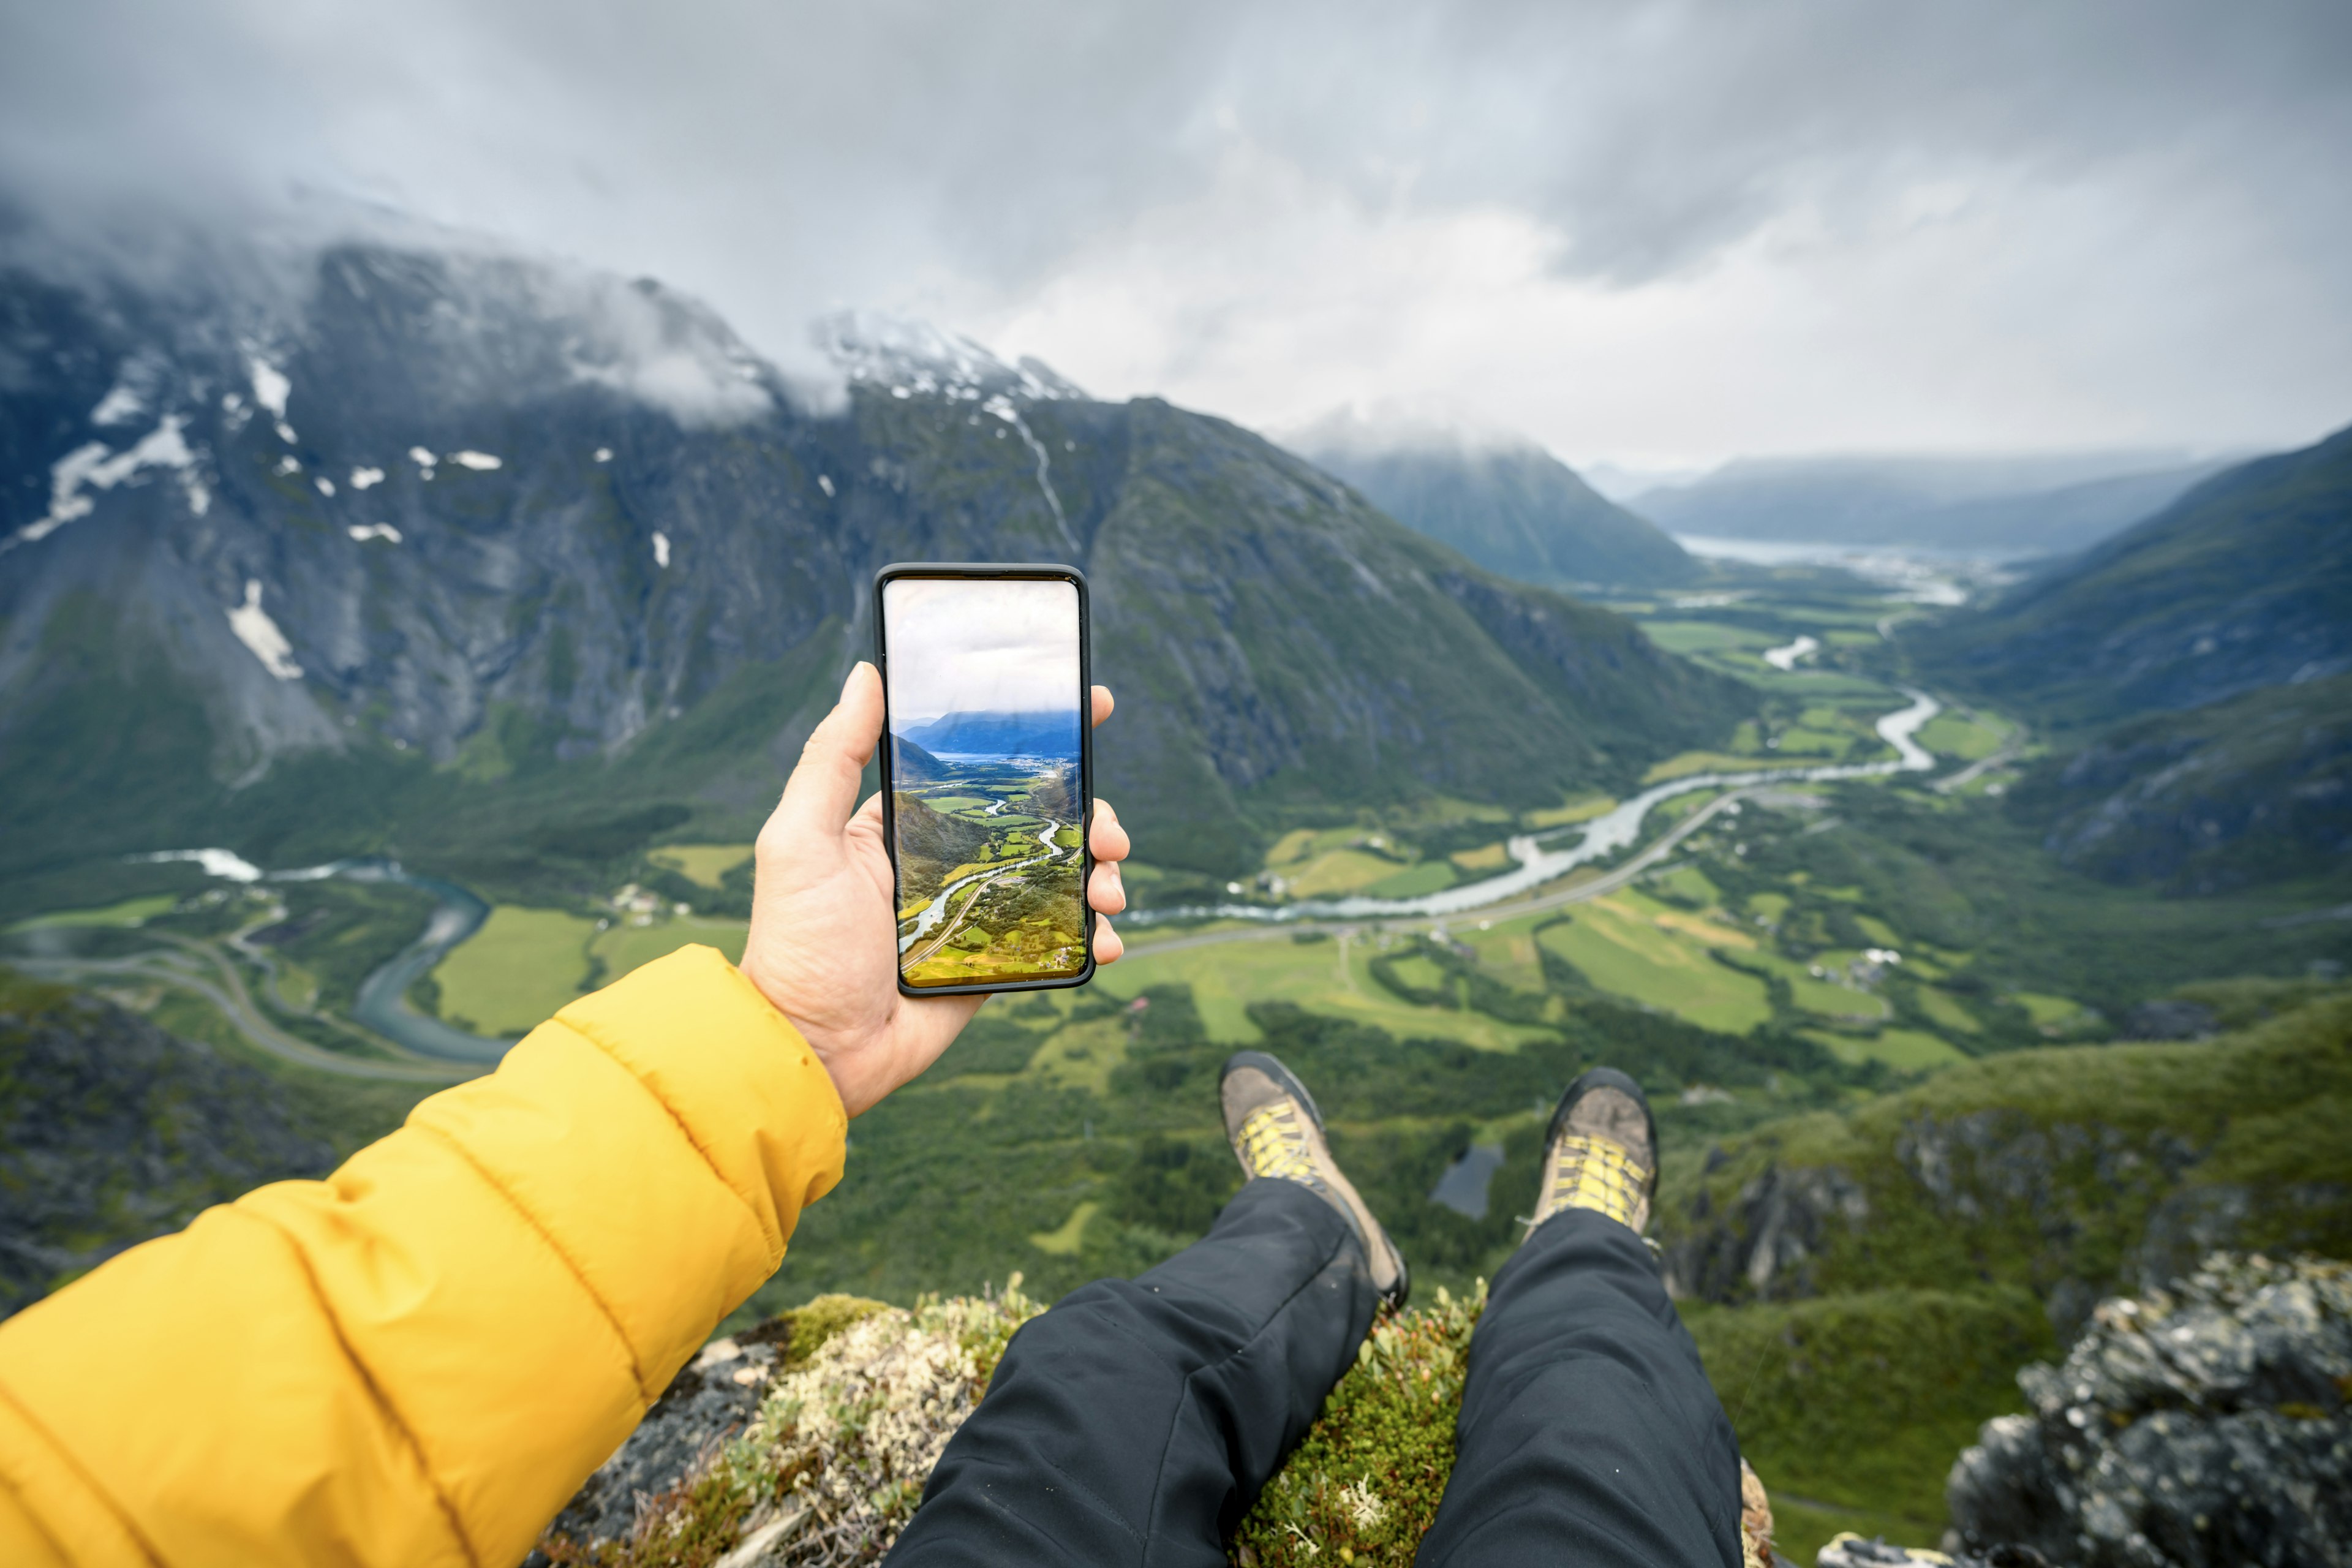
(1274,207)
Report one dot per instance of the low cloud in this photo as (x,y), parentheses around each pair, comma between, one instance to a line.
(1675,227)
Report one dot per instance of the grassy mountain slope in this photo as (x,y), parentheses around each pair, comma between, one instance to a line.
(1514,510)
(2194,672)
(2245,582)
(2066,1173)
(2254,789)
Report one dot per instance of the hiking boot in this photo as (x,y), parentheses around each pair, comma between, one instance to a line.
(1602,1152)
(1276,1131)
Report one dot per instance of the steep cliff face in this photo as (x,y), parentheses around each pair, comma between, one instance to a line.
(468,522)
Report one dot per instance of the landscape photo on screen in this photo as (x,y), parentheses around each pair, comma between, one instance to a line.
(984,686)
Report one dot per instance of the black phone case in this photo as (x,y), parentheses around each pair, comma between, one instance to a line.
(1085,756)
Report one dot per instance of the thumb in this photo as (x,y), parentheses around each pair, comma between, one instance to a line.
(822,789)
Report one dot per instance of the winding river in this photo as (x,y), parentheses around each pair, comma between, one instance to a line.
(931,913)
(1603,835)
(382,1004)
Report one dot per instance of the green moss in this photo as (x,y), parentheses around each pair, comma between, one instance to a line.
(1365,1483)
(798,1333)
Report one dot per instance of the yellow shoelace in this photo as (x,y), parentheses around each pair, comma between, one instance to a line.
(1596,1173)
(1274,1143)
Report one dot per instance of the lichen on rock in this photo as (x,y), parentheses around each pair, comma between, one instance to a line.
(819,1461)
(2205,1425)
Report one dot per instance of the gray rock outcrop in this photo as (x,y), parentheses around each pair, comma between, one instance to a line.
(2207,1425)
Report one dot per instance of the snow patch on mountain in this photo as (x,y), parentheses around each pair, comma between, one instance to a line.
(1006,409)
(120,406)
(225,864)
(912,358)
(258,632)
(270,386)
(95,466)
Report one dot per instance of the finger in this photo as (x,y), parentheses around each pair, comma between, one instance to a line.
(1105,890)
(824,787)
(1109,840)
(1103,703)
(867,823)
(1107,947)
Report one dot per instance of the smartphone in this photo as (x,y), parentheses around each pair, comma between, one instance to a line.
(987,774)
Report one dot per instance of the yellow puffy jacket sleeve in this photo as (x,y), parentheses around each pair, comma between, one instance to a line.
(417,1359)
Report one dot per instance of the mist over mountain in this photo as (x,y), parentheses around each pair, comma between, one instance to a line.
(1998,505)
(487,562)
(1053,734)
(1505,502)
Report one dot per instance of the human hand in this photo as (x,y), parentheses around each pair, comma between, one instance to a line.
(823,946)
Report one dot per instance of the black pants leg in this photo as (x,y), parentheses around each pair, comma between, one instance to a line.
(1589,1432)
(1137,1421)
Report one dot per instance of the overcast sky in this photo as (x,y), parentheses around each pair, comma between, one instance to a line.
(1652,233)
(975,646)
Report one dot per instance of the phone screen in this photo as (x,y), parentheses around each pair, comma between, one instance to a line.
(984,682)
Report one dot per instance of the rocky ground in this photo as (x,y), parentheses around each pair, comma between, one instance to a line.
(2203,1425)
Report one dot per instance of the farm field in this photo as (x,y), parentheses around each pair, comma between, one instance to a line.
(515,971)
(1329,976)
(701,864)
(524,963)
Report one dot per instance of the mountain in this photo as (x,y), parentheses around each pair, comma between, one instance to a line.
(1510,506)
(2026,506)
(2051,521)
(911,764)
(2198,671)
(2243,582)
(1000,734)
(2256,788)
(930,842)
(504,568)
